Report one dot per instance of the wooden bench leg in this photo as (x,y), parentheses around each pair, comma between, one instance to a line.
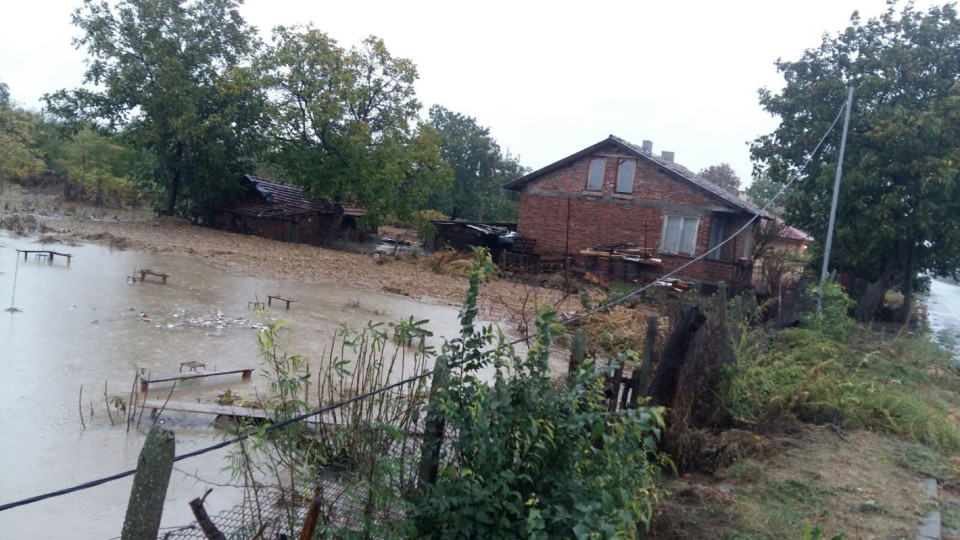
(143,386)
(246,374)
(164,280)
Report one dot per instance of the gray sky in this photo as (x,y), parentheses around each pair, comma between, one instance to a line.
(548,78)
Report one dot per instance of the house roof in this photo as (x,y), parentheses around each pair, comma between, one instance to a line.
(792,233)
(285,201)
(674,169)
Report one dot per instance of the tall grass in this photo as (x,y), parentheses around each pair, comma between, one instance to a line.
(831,370)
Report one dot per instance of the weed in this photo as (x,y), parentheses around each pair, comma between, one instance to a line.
(745,471)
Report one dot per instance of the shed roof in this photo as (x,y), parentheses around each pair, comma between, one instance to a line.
(285,201)
(673,169)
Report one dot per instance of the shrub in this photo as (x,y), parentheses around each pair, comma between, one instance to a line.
(422,223)
(534,457)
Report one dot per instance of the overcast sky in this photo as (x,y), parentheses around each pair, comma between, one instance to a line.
(548,78)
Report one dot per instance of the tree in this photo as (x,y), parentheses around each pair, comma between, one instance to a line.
(763,189)
(899,208)
(479,170)
(724,176)
(170,74)
(343,124)
(19,156)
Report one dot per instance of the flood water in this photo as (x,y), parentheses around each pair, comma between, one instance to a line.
(943,311)
(85,324)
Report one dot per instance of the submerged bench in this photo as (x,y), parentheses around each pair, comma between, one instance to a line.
(228,410)
(271,298)
(204,408)
(44,254)
(148,272)
(145,382)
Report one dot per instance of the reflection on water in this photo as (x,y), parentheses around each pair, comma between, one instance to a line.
(86,325)
(943,311)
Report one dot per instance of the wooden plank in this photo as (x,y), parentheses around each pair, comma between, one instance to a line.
(204,408)
(225,410)
(167,377)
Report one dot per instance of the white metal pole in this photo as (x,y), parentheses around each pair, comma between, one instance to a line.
(836,189)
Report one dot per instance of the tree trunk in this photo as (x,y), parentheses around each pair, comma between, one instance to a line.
(174,190)
(333,229)
(908,285)
(663,388)
(872,298)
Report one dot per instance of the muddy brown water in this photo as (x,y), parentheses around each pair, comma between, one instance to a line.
(85,324)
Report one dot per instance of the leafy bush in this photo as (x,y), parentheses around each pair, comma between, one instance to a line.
(422,222)
(535,457)
(831,317)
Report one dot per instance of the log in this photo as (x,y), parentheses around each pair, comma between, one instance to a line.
(209,529)
(663,388)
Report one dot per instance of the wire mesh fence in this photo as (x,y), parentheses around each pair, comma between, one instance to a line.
(356,466)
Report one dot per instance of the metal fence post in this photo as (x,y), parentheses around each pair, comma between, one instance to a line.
(149,485)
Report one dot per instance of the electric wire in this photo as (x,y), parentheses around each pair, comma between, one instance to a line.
(334,406)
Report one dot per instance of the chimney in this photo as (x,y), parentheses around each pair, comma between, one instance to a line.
(648,147)
(668,156)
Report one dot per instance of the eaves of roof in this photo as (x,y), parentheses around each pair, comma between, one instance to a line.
(673,169)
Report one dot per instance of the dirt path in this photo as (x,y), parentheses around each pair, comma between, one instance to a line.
(500,299)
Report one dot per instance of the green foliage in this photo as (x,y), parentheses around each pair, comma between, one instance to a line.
(362,457)
(847,378)
(815,532)
(898,209)
(480,170)
(344,123)
(722,175)
(170,74)
(535,458)
(834,306)
(19,155)
(422,223)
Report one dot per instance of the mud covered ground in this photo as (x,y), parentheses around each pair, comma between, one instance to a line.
(57,222)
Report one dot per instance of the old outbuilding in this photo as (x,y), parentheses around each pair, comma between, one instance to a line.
(618,211)
(281,212)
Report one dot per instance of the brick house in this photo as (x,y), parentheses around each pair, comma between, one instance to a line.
(281,212)
(661,216)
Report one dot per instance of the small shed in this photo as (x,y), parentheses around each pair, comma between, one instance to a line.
(281,212)
(463,235)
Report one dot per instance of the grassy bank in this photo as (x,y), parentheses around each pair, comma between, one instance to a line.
(836,425)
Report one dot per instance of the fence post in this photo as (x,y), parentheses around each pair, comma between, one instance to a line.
(722,301)
(149,485)
(642,376)
(433,431)
(578,350)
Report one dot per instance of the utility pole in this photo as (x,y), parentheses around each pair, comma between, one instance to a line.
(836,194)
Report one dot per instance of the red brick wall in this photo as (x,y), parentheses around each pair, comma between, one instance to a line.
(564,217)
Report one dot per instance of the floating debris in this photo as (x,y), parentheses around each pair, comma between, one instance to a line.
(219,321)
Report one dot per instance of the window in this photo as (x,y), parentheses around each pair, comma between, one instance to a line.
(595,180)
(625,176)
(746,244)
(679,235)
(718,227)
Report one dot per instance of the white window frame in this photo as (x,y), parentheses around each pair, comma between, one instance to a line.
(620,181)
(603,170)
(676,246)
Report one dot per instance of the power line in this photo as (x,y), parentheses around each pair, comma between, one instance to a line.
(429,373)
